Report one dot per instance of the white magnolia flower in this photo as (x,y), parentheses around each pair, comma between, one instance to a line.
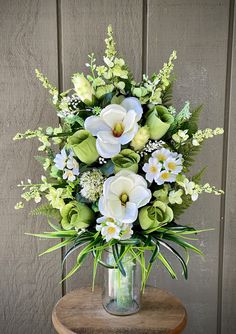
(165,176)
(116,126)
(60,159)
(123,194)
(110,231)
(173,165)
(152,169)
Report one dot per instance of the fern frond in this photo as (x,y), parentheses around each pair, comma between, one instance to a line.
(46,210)
(168,95)
(192,123)
(198,177)
(178,210)
(189,151)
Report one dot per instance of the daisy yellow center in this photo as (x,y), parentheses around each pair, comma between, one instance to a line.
(161,157)
(172,165)
(124,198)
(153,169)
(118,129)
(165,176)
(111,230)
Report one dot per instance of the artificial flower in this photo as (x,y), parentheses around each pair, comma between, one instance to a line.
(126,231)
(165,176)
(84,146)
(175,196)
(141,138)
(122,195)
(115,126)
(126,159)
(110,231)
(152,169)
(83,88)
(154,216)
(92,184)
(158,121)
(181,136)
(174,165)
(189,188)
(55,198)
(76,215)
(60,159)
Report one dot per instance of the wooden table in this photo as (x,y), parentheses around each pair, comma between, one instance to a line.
(81,311)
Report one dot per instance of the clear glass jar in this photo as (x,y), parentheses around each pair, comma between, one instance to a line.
(121,294)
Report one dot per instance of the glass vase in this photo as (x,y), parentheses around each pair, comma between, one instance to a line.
(121,294)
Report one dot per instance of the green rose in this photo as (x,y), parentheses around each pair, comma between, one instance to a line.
(157,215)
(126,159)
(76,215)
(84,146)
(159,121)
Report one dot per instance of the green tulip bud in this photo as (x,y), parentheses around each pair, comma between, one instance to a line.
(155,216)
(84,146)
(159,121)
(141,138)
(83,88)
(76,215)
(126,159)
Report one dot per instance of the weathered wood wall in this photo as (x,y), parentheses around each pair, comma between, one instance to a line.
(56,36)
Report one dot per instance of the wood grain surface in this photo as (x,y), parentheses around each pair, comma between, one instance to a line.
(198,31)
(81,311)
(29,285)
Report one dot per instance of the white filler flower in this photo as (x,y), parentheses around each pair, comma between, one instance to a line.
(116,126)
(123,194)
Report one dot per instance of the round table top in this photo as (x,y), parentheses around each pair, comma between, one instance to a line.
(81,311)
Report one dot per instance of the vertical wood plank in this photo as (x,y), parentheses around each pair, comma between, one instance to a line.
(84,26)
(228,319)
(29,285)
(198,30)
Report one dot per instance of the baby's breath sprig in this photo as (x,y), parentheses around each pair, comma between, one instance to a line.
(151,146)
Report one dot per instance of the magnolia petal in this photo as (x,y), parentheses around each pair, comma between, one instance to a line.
(140,196)
(121,185)
(129,120)
(94,124)
(107,150)
(107,137)
(131,213)
(128,136)
(113,114)
(132,103)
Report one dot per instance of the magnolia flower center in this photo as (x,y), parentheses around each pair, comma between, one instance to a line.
(124,198)
(118,129)
(172,165)
(111,230)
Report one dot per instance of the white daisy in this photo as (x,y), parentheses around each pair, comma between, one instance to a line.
(173,165)
(110,231)
(165,176)
(152,169)
(162,155)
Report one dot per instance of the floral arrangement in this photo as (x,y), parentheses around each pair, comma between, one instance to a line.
(116,167)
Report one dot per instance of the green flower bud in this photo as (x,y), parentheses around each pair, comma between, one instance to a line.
(126,159)
(83,88)
(157,215)
(159,121)
(141,138)
(76,215)
(84,146)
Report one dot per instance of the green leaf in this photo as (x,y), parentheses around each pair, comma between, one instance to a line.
(57,246)
(167,265)
(184,244)
(117,259)
(198,177)
(192,123)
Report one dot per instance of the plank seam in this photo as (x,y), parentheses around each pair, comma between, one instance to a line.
(224,161)
(145,37)
(60,88)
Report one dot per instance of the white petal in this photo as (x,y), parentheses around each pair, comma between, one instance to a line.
(113,114)
(131,213)
(107,150)
(132,103)
(107,137)
(94,124)
(140,196)
(121,185)
(128,136)
(129,120)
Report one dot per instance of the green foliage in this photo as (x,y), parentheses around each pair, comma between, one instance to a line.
(46,210)
(198,177)
(192,123)
(178,210)
(189,152)
(168,95)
